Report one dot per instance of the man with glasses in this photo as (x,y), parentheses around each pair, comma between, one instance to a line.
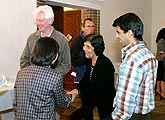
(44,18)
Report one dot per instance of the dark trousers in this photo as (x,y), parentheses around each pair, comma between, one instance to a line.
(89,102)
(140,117)
(84,112)
(80,114)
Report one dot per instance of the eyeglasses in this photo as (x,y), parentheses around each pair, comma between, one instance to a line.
(40,21)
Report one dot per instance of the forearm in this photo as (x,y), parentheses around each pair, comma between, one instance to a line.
(74,93)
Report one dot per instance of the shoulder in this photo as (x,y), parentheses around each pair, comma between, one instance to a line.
(105,61)
(161,41)
(77,40)
(42,70)
(58,34)
(34,36)
(104,58)
(59,37)
(51,72)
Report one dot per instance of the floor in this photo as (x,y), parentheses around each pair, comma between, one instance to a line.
(157,114)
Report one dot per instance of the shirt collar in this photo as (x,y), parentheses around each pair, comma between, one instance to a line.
(131,47)
(128,47)
(42,34)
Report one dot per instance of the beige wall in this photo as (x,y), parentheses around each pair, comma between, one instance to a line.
(16,24)
(152,14)
(158,20)
(113,9)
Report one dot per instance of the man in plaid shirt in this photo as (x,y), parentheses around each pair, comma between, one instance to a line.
(137,75)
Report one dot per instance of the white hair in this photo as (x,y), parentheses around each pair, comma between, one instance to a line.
(47,10)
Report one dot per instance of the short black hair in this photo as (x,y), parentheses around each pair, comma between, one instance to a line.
(45,51)
(130,21)
(97,42)
(83,24)
(161,35)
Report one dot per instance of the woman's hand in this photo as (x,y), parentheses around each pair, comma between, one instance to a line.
(74,93)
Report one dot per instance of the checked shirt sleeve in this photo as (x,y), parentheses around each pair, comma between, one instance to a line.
(61,98)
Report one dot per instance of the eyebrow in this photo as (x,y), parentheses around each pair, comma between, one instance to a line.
(90,26)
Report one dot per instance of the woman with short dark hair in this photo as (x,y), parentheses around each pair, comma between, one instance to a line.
(97,86)
(39,87)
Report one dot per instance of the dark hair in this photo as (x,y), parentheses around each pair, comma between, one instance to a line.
(83,24)
(161,35)
(97,42)
(130,21)
(45,51)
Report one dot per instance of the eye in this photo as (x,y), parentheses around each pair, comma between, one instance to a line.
(88,46)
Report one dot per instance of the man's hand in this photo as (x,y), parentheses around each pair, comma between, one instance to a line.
(74,93)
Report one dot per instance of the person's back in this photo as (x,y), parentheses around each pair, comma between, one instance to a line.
(39,87)
(38,90)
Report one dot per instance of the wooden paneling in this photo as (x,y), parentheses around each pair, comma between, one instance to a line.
(72,23)
(58,18)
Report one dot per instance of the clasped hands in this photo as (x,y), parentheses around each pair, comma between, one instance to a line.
(74,93)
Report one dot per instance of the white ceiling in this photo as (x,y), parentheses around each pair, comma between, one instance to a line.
(78,4)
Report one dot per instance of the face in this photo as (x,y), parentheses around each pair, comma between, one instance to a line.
(42,23)
(122,37)
(89,50)
(88,28)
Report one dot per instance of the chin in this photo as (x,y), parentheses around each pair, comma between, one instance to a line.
(87,56)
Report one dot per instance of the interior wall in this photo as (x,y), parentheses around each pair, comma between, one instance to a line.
(113,9)
(110,9)
(16,24)
(158,21)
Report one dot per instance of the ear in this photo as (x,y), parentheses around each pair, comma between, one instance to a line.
(130,33)
(53,62)
(50,21)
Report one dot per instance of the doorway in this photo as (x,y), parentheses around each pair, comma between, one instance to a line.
(69,23)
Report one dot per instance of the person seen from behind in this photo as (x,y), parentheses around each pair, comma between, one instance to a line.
(39,87)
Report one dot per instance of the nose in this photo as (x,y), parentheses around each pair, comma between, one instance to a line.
(117,35)
(91,27)
(84,48)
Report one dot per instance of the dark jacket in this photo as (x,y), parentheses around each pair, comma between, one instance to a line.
(101,85)
(78,59)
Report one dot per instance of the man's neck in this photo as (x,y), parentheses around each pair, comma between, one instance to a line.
(47,33)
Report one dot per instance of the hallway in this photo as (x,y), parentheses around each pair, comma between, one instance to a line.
(157,114)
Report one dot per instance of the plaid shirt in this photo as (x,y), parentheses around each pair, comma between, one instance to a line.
(37,91)
(137,77)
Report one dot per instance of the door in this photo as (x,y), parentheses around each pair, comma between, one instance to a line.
(72,23)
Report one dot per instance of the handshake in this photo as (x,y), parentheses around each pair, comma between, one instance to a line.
(74,94)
